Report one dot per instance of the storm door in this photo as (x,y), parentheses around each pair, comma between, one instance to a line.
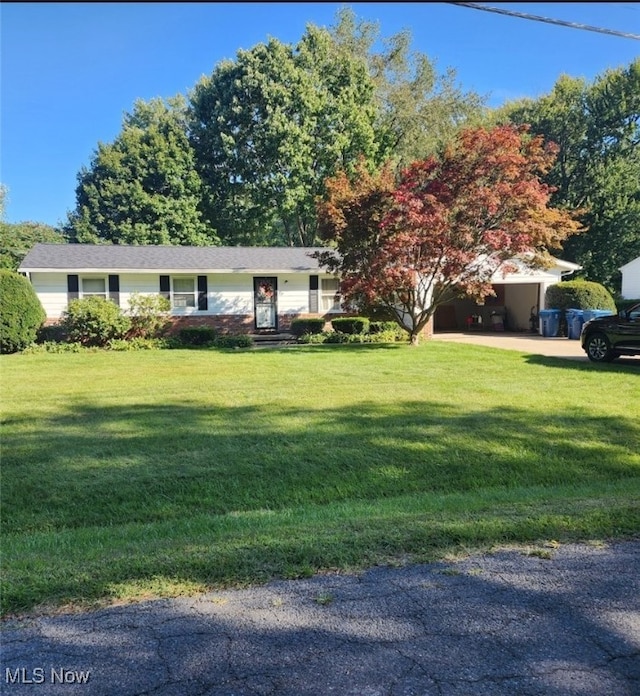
(265,298)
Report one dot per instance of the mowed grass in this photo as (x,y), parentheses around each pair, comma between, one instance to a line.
(144,474)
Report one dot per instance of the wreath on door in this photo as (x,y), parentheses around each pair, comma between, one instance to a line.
(265,291)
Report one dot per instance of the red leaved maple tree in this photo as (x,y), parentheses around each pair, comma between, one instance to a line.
(446,227)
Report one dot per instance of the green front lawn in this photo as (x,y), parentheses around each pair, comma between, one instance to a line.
(156,473)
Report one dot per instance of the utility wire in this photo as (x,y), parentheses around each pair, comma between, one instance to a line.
(548,20)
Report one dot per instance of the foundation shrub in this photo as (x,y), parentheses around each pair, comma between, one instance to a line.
(307,326)
(150,315)
(234,341)
(351,325)
(94,321)
(197,335)
(54,333)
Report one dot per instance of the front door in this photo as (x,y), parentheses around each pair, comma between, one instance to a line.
(265,295)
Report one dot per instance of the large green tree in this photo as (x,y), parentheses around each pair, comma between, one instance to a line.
(143,188)
(16,238)
(270,126)
(597,127)
(419,109)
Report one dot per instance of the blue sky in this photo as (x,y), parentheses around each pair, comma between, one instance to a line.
(69,71)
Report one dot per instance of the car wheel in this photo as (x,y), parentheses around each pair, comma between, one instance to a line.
(599,348)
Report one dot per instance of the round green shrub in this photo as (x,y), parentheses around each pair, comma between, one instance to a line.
(94,321)
(197,335)
(21,313)
(307,326)
(150,315)
(579,294)
(351,325)
(234,341)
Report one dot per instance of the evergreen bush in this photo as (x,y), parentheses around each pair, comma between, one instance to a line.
(307,326)
(197,335)
(579,294)
(351,325)
(150,315)
(234,341)
(21,313)
(94,321)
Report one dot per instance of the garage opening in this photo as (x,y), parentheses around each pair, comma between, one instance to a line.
(509,310)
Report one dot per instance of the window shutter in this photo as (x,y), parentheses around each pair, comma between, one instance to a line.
(114,289)
(73,287)
(165,286)
(202,293)
(313,294)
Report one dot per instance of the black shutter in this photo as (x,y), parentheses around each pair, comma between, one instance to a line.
(114,289)
(73,287)
(202,293)
(165,286)
(313,294)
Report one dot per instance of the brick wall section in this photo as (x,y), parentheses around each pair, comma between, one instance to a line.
(223,323)
(240,323)
(244,323)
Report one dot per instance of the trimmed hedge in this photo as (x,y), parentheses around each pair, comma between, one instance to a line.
(351,325)
(579,294)
(234,341)
(197,335)
(21,313)
(307,326)
(382,326)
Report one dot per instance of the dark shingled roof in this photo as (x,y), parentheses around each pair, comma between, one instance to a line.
(103,257)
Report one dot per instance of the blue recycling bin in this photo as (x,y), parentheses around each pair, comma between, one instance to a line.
(590,314)
(575,320)
(550,322)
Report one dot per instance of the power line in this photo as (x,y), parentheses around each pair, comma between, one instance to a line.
(548,20)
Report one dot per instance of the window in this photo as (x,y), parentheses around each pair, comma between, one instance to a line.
(94,287)
(184,293)
(330,295)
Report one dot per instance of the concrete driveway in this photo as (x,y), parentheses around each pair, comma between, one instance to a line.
(527,343)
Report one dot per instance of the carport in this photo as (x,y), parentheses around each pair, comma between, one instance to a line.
(517,295)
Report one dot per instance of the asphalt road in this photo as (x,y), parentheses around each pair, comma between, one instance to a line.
(519,622)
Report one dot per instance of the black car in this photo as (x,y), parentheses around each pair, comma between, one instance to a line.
(606,338)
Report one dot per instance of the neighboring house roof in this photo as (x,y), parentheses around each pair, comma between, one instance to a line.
(631,263)
(117,257)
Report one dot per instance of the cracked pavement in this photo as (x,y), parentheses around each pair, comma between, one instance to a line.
(512,622)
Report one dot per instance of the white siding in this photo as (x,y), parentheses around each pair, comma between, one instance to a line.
(51,288)
(293,294)
(142,283)
(631,280)
(230,293)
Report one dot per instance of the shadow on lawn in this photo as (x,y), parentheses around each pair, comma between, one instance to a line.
(144,463)
(109,472)
(622,364)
